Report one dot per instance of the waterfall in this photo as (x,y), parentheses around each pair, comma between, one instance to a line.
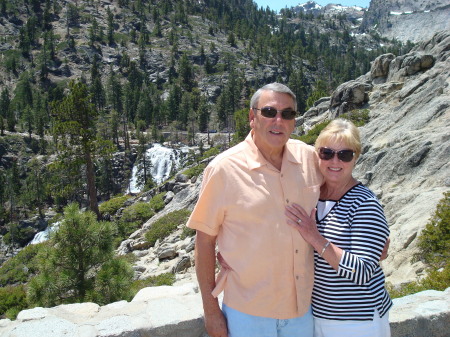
(162,160)
(45,234)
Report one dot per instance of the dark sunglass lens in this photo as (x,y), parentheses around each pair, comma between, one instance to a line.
(288,114)
(269,112)
(326,154)
(345,155)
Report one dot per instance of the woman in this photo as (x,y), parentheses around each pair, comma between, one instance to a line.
(348,232)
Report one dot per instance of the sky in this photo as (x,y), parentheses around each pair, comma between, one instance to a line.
(276,5)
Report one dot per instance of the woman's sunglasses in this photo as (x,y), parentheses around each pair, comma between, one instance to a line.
(344,155)
(271,112)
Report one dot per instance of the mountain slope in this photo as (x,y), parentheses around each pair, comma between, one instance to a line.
(407,19)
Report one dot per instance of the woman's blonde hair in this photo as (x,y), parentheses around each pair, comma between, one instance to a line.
(340,130)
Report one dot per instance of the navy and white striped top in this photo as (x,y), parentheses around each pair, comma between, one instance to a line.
(356,224)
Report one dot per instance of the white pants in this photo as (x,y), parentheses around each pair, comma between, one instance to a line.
(378,327)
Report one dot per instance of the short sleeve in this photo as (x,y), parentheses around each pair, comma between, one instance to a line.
(208,213)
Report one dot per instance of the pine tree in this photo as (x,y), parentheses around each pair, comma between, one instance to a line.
(79,264)
(110,33)
(5,110)
(96,88)
(29,120)
(115,92)
(186,73)
(187,113)
(40,119)
(203,115)
(144,173)
(3,194)
(13,186)
(242,125)
(35,186)
(75,125)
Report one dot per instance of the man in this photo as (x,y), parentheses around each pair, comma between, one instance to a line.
(269,276)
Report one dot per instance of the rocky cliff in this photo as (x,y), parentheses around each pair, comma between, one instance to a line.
(406,19)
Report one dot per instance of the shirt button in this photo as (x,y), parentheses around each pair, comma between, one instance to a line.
(296,251)
(296,277)
(353,270)
(282,175)
(287,201)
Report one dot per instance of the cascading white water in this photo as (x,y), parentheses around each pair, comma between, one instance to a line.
(162,160)
(45,234)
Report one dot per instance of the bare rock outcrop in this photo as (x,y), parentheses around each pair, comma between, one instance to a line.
(407,20)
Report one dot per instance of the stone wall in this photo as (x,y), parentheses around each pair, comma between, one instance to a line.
(177,312)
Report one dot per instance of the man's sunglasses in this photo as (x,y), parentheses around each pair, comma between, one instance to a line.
(271,112)
(344,155)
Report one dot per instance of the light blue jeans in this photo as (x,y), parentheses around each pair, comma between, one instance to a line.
(244,325)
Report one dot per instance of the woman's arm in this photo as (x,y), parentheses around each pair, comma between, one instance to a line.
(369,232)
(306,225)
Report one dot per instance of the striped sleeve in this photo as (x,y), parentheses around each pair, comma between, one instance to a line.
(369,232)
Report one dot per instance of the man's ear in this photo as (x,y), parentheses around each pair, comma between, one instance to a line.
(251,117)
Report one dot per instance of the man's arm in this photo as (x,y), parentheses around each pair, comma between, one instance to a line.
(205,264)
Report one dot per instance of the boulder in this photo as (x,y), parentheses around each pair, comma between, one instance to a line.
(423,314)
(349,96)
(380,67)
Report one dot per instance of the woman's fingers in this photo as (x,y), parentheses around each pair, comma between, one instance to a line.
(299,209)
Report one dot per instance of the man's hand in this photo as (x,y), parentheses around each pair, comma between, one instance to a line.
(384,253)
(216,325)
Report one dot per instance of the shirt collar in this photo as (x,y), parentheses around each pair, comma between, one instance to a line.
(255,159)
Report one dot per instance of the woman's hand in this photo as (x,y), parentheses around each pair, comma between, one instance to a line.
(304,223)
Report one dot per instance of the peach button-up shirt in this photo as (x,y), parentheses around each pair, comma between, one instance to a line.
(242,202)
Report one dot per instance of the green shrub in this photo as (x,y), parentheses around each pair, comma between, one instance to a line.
(166,225)
(13,299)
(194,171)
(358,117)
(435,280)
(213,151)
(112,282)
(157,202)
(434,246)
(434,240)
(311,136)
(21,267)
(113,205)
(187,232)
(166,279)
(133,217)
(140,211)
(17,234)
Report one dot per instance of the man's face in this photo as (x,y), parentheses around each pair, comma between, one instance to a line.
(271,134)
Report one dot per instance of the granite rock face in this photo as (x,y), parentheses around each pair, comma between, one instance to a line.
(407,20)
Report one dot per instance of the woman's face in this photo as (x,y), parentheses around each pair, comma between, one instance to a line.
(335,170)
